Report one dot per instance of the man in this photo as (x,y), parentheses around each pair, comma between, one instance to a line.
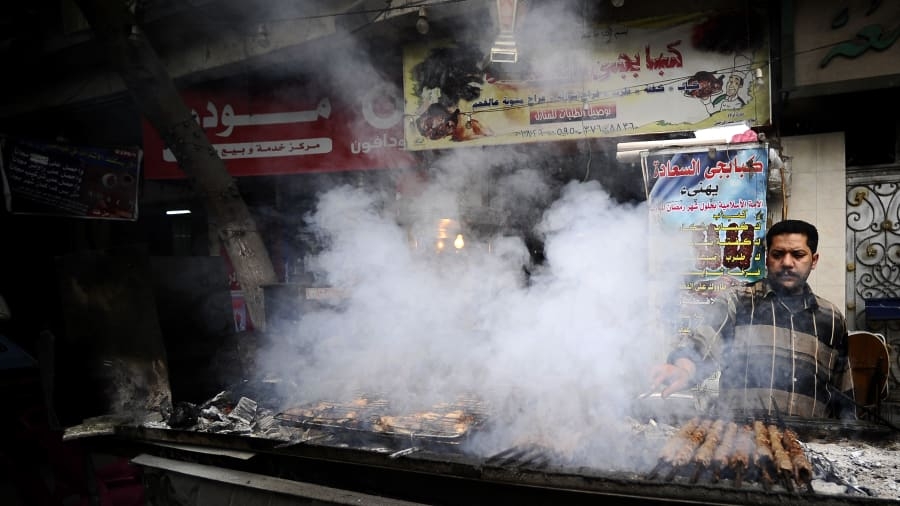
(777,344)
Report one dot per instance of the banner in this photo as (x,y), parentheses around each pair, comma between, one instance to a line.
(622,80)
(716,198)
(289,130)
(66,180)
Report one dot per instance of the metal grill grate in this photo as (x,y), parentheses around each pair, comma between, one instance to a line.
(443,421)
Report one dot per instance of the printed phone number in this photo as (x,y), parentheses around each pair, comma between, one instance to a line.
(572,131)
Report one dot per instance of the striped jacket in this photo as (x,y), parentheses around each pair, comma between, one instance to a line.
(766,351)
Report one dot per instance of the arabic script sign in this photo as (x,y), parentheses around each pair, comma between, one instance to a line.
(67,180)
(645,78)
(716,200)
(282,133)
(843,41)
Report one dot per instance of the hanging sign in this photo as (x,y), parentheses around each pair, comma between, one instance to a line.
(715,199)
(651,76)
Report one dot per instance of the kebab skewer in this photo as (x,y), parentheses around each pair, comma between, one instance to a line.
(685,452)
(679,449)
(704,456)
(720,456)
(671,447)
(802,468)
(740,458)
(763,457)
(783,466)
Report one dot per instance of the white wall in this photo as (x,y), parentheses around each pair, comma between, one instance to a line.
(818,195)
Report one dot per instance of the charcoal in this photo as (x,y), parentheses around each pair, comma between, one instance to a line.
(244,411)
(184,415)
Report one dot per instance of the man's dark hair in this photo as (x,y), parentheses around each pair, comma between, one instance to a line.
(794,227)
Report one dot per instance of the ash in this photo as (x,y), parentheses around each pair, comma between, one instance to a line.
(856,467)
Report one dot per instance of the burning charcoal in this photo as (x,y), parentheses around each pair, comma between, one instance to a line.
(184,414)
(264,422)
(216,426)
(212,414)
(244,411)
(240,428)
(221,400)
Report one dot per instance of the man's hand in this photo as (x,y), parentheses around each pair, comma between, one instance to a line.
(673,377)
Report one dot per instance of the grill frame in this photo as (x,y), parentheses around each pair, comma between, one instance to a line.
(440,477)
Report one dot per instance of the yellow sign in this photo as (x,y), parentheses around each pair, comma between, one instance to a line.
(637,79)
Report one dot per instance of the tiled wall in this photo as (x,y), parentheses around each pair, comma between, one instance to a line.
(818,195)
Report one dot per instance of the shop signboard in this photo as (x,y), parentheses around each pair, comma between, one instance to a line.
(648,77)
(850,43)
(712,200)
(59,179)
(287,130)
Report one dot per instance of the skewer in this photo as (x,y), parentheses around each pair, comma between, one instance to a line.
(766,480)
(715,472)
(738,475)
(720,457)
(660,466)
(698,470)
(740,459)
(802,468)
(671,475)
(788,481)
(679,449)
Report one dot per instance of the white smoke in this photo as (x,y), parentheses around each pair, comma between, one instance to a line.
(554,356)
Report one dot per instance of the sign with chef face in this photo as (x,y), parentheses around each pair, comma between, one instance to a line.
(619,80)
(287,130)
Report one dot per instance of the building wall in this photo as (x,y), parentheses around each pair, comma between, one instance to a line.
(817,195)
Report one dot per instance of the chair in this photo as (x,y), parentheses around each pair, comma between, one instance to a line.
(870,360)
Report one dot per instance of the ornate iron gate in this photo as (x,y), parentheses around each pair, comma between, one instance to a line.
(873,254)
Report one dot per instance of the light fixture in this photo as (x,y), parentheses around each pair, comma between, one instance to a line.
(178,211)
(504,48)
(422,22)
(617,3)
(459,242)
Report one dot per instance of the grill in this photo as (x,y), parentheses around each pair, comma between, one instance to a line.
(521,475)
(370,445)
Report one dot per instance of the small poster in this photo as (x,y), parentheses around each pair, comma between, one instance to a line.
(716,197)
(712,200)
(66,180)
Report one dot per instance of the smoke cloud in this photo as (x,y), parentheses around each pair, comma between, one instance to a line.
(555,356)
(556,350)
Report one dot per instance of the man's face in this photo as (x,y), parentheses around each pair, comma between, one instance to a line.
(732,86)
(789,262)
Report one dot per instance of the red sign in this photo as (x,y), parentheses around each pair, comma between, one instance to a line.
(290,131)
